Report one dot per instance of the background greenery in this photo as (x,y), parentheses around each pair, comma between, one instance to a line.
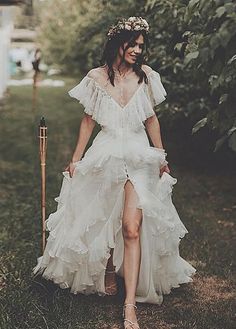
(192,46)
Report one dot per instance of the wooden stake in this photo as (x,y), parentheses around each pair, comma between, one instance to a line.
(43,150)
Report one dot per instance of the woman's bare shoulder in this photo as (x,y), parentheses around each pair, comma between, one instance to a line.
(147,69)
(96,72)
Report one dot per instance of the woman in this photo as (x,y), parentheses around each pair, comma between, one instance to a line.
(36,64)
(115,214)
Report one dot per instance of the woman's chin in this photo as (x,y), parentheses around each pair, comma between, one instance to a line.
(131,61)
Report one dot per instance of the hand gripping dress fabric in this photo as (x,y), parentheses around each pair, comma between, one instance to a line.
(88,219)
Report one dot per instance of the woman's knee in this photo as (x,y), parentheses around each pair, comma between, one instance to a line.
(131,232)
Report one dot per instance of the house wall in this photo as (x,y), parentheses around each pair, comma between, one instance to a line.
(6,27)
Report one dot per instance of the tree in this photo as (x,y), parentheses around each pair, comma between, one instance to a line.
(192,46)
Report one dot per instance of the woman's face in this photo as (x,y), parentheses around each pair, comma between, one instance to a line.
(134,50)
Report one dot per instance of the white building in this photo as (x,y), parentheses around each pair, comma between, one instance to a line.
(7,34)
(6,28)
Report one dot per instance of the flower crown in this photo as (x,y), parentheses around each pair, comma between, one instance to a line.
(133,23)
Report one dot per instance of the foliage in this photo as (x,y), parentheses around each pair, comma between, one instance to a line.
(192,46)
(210,54)
(27,14)
(195,50)
(72,36)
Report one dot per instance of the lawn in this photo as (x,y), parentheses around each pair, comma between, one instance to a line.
(205,198)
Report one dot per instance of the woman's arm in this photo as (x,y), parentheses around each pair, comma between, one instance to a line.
(86,128)
(154,131)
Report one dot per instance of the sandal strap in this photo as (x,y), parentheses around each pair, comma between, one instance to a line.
(129,304)
(113,285)
(111,290)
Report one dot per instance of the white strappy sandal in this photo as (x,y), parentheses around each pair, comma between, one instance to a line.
(130,324)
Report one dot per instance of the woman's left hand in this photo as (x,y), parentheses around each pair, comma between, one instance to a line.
(165,168)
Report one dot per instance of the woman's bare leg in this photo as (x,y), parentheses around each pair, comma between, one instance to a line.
(110,276)
(110,266)
(131,223)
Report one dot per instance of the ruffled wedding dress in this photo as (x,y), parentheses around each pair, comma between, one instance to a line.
(88,219)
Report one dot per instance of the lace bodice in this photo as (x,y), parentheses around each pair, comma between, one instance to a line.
(119,106)
(124,89)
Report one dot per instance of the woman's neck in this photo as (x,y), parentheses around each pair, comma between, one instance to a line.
(123,69)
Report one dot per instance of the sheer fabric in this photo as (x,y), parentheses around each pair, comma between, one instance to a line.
(120,93)
(88,219)
(103,102)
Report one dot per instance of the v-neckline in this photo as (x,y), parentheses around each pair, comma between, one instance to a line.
(112,98)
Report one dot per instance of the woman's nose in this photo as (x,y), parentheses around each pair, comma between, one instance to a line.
(137,49)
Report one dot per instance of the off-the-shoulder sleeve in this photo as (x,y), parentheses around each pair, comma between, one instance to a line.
(85,93)
(156,89)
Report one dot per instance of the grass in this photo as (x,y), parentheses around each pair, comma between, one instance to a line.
(205,200)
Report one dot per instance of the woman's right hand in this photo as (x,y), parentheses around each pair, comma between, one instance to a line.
(70,168)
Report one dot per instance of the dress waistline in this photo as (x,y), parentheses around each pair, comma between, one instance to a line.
(122,130)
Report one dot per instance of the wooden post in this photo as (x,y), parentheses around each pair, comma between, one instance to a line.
(43,150)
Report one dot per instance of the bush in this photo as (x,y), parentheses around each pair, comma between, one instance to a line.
(192,46)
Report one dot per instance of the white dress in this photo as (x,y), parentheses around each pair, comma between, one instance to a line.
(88,219)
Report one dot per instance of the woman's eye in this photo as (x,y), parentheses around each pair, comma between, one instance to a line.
(134,44)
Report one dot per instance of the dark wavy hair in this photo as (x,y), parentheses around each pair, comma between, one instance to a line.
(111,49)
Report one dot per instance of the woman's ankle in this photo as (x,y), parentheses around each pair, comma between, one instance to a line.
(130,301)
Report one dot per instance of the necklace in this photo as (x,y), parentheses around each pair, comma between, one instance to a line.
(122,74)
(122,84)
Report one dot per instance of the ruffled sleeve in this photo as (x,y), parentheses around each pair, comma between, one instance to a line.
(85,92)
(157,91)
(97,102)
